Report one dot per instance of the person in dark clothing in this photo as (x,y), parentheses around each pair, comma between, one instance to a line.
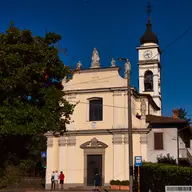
(97,182)
(52,181)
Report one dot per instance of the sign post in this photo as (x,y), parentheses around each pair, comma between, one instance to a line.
(43,159)
(138,163)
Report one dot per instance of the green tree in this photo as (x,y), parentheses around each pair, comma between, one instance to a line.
(31,97)
(182,114)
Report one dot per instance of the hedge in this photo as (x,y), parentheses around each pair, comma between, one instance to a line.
(118,182)
(156,176)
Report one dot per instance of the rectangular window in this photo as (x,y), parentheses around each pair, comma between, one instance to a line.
(158,141)
(96,110)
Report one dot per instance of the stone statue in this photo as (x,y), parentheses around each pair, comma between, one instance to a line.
(127,67)
(95,59)
(143,107)
(79,65)
(113,63)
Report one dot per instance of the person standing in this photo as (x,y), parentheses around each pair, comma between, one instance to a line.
(61,178)
(52,180)
(56,178)
(97,182)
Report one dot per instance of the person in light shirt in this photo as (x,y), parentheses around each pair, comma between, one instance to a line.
(56,178)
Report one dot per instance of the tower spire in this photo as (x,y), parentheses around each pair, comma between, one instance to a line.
(149,36)
(149,11)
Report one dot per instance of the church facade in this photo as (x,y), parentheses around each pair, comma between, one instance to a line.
(97,138)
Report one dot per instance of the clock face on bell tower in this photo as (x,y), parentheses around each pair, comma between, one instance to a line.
(148,54)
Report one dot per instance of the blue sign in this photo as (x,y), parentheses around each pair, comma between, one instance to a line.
(138,161)
(43,154)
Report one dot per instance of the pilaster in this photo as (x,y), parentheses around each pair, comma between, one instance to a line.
(143,143)
(118,156)
(71,160)
(117,139)
(126,157)
(62,143)
(118,112)
(50,161)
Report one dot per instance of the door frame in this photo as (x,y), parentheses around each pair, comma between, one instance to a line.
(94,147)
(94,152)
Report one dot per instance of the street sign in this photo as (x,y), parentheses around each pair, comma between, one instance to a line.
(43,154)
(138,161)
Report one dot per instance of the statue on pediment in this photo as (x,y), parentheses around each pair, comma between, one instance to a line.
(113,63)
(95,59)
(127,68)
(79,65)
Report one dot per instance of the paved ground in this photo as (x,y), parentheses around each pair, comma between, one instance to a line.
(41,190)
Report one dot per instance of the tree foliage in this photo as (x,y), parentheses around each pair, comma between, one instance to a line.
(31,97)
(182,114)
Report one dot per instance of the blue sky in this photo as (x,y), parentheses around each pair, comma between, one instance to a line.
(114,28)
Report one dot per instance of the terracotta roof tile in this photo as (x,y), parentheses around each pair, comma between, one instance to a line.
(163,119)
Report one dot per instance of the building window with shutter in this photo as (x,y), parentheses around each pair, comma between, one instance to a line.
(158,141)
(96,109)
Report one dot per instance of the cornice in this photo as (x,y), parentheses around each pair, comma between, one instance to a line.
(100,132)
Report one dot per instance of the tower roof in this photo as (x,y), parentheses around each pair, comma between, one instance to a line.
(149,36)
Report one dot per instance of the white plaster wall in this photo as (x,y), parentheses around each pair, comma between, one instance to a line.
(71,159)
(191,143)
(170,144)
(181,143)
(114,111)
(114,102)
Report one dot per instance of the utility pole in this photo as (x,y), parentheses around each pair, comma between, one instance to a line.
(129,116)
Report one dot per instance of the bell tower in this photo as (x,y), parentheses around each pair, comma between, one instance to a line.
(149,63)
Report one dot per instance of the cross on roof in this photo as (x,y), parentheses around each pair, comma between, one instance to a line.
(149,10)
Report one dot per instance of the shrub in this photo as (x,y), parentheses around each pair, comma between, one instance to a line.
(112,182)
(26,166)
(125,182)
(156,176)
(167,159)
(12,175)
(118,182)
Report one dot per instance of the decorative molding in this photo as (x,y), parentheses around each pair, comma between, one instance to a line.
(105,89)
(110,131)
(71,141)
(117,139)
(152,61)
(93,144)
(62,141)
(126,139)
(117,93)
(49,141)
(143,139)
(71,96)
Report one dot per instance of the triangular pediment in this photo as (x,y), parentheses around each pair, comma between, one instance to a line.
(95,78)
(93,143)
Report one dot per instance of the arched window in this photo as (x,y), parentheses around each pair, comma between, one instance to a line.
(96,109)
(148,81)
